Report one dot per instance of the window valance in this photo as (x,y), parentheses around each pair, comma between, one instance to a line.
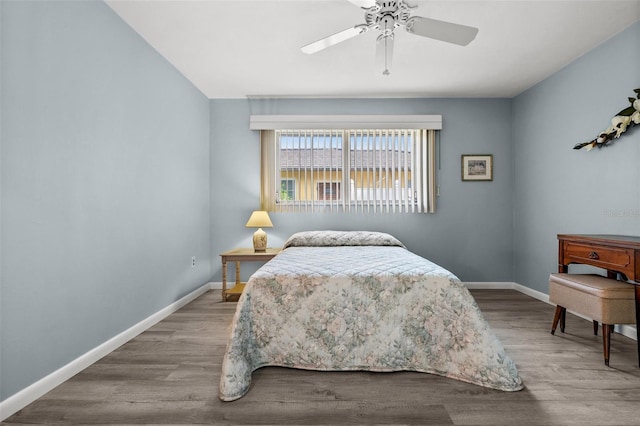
(275,122)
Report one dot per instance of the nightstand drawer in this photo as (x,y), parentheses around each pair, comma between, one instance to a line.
(612,258)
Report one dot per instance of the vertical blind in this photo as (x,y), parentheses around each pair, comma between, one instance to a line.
(348,170)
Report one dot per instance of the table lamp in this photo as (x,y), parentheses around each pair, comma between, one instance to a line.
(259,219)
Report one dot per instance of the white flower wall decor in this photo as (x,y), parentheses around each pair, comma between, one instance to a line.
(625,119)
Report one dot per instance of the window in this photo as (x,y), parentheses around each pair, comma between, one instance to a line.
(350,170)
(287,189)
(328,191)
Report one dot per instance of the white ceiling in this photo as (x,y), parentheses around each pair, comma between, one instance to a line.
(251,48)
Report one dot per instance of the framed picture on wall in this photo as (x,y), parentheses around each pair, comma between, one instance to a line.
(477,167)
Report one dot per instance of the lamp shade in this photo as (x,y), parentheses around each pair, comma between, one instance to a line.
(259,219)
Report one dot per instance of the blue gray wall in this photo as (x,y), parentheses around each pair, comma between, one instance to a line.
(105,184)
(559,190)
(471,232)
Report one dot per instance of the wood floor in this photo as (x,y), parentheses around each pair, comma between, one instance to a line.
(170,375)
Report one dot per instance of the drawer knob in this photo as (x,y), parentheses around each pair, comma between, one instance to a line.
(594,255)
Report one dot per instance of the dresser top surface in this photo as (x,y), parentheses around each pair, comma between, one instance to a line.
(629,240)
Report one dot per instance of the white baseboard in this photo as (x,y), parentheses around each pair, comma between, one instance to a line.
(29,394)
(626,330)
(489,285)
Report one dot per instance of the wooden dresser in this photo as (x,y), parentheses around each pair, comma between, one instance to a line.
(614,253)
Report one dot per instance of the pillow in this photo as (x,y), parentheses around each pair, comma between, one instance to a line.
(341,238)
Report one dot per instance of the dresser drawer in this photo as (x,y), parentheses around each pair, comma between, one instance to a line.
(612,258)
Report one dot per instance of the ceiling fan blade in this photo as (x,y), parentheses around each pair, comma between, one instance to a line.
(365,4)
(441,30)
(336,38)
(384,53)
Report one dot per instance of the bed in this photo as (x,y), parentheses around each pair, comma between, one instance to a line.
(350,300)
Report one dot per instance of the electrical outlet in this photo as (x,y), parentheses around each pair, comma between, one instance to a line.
(193,261)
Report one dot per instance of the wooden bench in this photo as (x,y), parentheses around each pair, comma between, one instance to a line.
(602,299)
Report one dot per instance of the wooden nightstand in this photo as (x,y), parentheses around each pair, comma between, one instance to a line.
(242,255)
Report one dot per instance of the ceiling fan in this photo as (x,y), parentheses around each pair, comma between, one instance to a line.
(386,16)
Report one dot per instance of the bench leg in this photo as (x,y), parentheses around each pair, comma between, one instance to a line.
(595,327)
(558,317)
(606,341)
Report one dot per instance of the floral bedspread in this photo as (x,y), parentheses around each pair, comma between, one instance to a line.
(360,307)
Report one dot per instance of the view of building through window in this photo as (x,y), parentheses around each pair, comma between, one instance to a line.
(378,166)
(349,170)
